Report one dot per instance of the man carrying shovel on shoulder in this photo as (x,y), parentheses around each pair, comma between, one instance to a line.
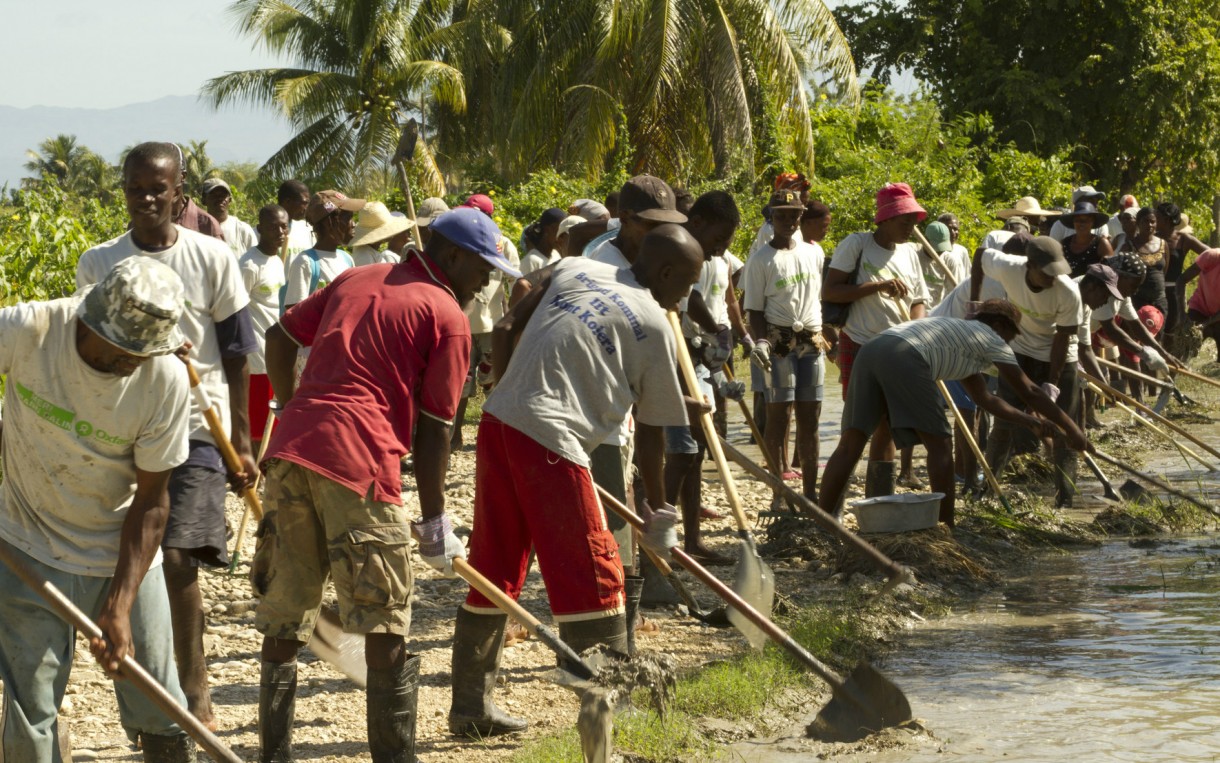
(96,417)
(593,341)
(391,347)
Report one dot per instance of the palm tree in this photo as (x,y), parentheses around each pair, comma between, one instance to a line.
(58,158)
(361,66)
(196,165)
(691,86)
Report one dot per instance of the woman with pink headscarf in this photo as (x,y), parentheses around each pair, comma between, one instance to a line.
(873,271)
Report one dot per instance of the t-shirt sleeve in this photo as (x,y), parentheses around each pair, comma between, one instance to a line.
(1008,270)
(1126,310)
(734,262)
(847,254)
(86,267)
(657,394)
(1069,311)
(998,351)
(754,282)
(1208,260)
(303,319)
(162,443)
(298,279)
(249,275)
(236,335)
(15,322)
(440,389)
(231,294)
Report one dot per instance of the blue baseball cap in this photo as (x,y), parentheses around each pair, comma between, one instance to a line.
(470,229)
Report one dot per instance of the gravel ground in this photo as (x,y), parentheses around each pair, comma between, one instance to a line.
(330,721)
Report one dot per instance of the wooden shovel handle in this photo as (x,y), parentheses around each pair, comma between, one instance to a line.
(1111,392)
(769,457)
(936,258)
(129,668)
(227,451)
(1198,377)
(709,428)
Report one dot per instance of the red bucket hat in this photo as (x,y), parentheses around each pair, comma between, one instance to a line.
(897,199)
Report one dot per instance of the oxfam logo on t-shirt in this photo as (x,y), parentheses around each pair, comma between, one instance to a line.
(64,418)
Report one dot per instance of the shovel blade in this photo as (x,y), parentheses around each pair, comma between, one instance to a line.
(864,704)
(345,651)
(755,583)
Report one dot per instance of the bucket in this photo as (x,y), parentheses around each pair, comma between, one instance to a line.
(898,513)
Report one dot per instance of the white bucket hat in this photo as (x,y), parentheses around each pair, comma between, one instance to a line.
(376,223)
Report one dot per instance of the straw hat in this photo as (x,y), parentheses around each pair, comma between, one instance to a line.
(1026,206)
(377,224)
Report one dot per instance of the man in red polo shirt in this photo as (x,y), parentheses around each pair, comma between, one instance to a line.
(390,351)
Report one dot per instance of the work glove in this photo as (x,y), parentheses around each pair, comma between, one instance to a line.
(1153,360)
(1051,391)
(732,390)
(437,543)
(717,352)
(760,356)
(660,530)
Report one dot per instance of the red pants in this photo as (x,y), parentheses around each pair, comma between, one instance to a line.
(526,496)
(259,405)
(848,348)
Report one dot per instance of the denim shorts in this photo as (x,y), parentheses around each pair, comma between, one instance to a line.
(797,377)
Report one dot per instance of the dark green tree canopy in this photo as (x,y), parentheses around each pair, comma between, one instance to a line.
(1131,88)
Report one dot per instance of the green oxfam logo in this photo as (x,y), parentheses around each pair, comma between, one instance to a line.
(64,418)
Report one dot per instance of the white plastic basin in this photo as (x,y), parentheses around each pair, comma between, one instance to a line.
(897,513)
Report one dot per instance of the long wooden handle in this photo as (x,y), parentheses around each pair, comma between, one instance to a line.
(773,631)
(129,668)
(1155,429)
(768,456)
(406,191)
(519,613)
(709,427)
(1132,373)
(936,258)
(1111,392)
(1199,377)
(974,445)
(227,451)
(1154,481)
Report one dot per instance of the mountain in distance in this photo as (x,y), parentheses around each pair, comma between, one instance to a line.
(234,134)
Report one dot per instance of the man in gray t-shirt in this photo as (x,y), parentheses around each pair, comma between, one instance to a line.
(594,340)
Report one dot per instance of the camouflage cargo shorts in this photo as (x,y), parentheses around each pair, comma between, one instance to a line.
(315,528)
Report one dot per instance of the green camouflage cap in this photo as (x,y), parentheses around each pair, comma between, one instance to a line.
(136,307)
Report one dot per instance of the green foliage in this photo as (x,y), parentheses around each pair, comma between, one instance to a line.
(63,162)
(1129,89)
(43,236)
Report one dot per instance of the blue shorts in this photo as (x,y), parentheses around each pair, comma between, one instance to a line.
(680,439)
(797,377)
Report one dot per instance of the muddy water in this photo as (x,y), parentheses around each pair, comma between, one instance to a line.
(1106,655)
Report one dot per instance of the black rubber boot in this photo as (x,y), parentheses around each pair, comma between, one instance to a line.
(583,634)
(178,748)
(657,591)
(393,697)
(879,479)
(477,642)
(277,694)
(634,590)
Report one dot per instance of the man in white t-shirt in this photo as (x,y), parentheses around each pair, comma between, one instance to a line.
(217,323)
(895,378)
(333,219)
(95,420)
(262,272)
(887,270)
(293,196)
(1047,349)
(217,196)
(594,341)
(783,288)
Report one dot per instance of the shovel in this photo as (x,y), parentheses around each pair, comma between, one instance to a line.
(1115,394)
(1156,482)
(344,652)
(864,703)
(754,582)
(128,668)
(1178,395)
(1111,493)
(596,705)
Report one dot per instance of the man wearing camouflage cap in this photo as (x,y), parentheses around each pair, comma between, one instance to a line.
(94,395)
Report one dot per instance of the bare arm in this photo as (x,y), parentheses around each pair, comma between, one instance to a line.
(139,540)
(696,308)
(836,288)
(237,373)
(431,457)
(736,319)
(1188,275)
(281,362)
(976,275)
(1116,334)
(1037,400)
(1059,348)
(758,323)
(977,388)
(650,457)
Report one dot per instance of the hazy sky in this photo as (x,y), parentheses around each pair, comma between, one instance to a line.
(105,53)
